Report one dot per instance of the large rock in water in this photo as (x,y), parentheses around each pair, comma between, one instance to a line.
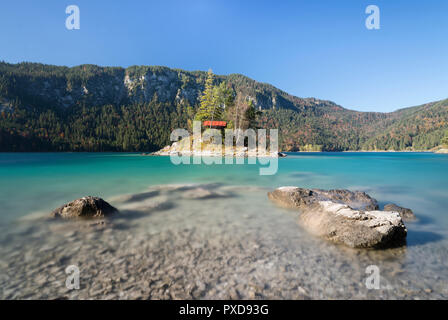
(87,207)
(343,216)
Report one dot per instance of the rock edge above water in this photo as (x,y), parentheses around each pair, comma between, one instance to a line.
(343,216)
(405,213)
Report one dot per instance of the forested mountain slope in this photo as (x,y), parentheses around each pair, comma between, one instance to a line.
(92,108)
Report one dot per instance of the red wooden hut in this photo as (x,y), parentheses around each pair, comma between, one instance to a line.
(215,124)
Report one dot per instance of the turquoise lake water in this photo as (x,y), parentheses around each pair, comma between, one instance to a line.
(263,245)
(34,182)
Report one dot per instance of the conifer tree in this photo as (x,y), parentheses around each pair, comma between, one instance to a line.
(213,100)
(251,114)
(207,100)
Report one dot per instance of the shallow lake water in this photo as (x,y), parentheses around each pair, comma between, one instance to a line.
(209,231)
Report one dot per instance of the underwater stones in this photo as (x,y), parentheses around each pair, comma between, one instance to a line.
(343,216)
(165,256)
(86,207)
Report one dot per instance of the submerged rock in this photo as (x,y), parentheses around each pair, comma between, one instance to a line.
(148,205)
(343,216)
(86,207)
(194,191)
(201,193)
(137,197)
(405,213)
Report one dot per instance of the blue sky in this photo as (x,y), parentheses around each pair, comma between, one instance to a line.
(317,48)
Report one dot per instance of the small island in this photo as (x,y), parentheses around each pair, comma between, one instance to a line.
(223,125)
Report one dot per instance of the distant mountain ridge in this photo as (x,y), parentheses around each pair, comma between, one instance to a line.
(97,85)
(92,108)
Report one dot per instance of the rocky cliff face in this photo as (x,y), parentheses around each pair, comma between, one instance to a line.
(169,85)
(93,85)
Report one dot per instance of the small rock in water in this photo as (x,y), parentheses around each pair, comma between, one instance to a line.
(405,213)
(281,154)
(87,207)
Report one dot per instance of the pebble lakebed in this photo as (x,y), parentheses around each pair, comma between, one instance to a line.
(205,241)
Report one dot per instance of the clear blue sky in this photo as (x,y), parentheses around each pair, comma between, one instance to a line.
(318,48)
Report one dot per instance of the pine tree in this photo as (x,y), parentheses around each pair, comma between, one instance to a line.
(214,100)
(251,114)
(207,100)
